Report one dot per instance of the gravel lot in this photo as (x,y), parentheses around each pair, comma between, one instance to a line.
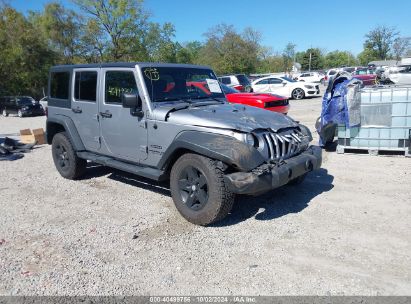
(345,231)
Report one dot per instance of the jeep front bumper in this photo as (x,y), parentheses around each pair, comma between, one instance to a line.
(270,176)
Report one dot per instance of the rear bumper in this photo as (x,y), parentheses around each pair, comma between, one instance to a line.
(278,109)
(268,177)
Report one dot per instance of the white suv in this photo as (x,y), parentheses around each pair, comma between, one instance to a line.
(311,77)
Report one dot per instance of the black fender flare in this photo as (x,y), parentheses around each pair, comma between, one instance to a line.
(69,127)
(224,148)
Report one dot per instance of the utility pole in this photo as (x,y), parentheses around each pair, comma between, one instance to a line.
(309,64)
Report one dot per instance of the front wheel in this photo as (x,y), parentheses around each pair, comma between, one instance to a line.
(4,113)
(20,113)
(199,191)
(298,93)
(67,163)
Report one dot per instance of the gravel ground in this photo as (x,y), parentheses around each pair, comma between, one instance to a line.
(344,231)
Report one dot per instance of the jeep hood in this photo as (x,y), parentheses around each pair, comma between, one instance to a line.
(224,116)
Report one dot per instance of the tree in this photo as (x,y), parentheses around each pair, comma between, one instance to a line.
(230,52)
(339,58)
(400,47)
(315,63)
(367,55)
(123,21)
(25,57)
(288,56)
(380,40)
(61,28)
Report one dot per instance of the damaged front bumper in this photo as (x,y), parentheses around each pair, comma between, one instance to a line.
(270,176)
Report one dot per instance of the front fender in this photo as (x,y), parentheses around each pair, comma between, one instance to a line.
(227,149)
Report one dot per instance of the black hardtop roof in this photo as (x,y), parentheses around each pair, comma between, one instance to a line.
(126,65)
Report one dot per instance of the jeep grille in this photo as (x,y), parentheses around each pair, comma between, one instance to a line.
(283,145)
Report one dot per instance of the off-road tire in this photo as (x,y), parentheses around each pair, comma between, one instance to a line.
(297,181)
(67,163)
(219,199)
(4,113)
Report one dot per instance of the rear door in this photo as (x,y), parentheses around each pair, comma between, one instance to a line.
(84,106)
(123,135)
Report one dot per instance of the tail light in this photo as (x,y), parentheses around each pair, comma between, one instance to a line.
(239,87)
(326,77)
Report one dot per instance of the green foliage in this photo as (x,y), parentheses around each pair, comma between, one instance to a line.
(339,58)
(24,56)
(380,41)
(367,55)
(315,63)
(288,56)
(227,51)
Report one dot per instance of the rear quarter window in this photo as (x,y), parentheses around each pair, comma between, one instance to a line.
(59,85)
(226,80)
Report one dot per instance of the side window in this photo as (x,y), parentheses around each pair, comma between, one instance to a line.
(275,81)
(264,81)
(226,80)
(85,86)
(117,83)
(59,85)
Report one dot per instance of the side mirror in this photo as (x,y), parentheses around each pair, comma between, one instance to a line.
(133,102)
(284,83)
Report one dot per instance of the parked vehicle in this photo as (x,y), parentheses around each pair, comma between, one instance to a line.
(269,102)
(330,73)
(20,105)
(402,76)
(43,102)
(314,77)
(239,82)
(128,116)
(367,76)
(287,87)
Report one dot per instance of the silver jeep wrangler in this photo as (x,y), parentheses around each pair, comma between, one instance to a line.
(172,121)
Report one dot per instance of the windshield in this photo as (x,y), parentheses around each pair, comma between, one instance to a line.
(24,101)
(288,79)
(181,84)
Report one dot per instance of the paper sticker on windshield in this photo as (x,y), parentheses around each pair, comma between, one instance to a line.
(213,86)
(152,74)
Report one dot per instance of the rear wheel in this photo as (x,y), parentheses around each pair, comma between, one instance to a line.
(67,163)
(199,191)
(4,113)
(298,93)
(20,113)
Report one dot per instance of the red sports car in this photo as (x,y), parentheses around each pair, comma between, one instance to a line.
(269,102)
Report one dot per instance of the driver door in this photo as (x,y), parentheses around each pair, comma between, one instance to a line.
(124,136)
(279,86)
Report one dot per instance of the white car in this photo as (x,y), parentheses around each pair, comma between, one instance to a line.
(311,77)
(287,87)
(400,76)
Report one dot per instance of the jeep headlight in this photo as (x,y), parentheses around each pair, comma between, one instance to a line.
(251,140)
(306,132)
(247,138)
(308,86)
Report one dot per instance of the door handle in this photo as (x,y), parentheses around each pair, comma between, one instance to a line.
(77,110)
(106,114)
